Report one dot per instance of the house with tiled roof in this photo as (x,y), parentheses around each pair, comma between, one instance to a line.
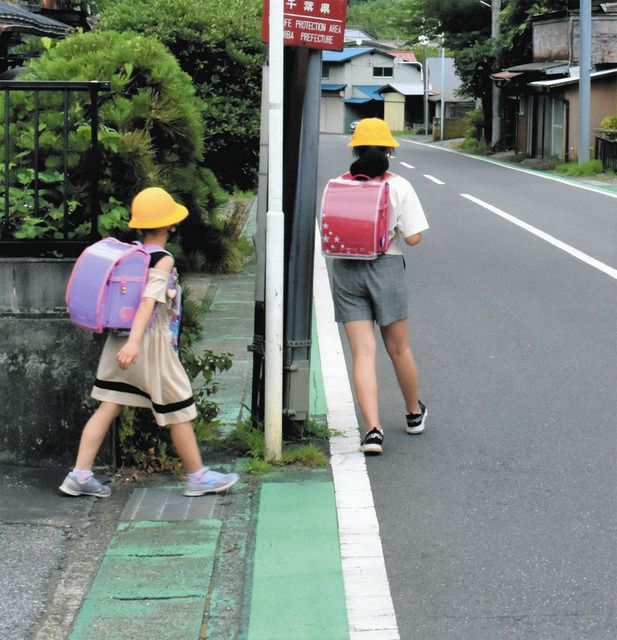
(20,20)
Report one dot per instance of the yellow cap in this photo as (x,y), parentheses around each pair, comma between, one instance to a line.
(372,132)
(154,208)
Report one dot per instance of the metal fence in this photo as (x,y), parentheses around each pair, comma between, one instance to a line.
(65,244)
(606,152)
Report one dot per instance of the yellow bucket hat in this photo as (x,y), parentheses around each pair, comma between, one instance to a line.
(154,208)
(372,132)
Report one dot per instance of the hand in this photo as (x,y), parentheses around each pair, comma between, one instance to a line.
(128,355)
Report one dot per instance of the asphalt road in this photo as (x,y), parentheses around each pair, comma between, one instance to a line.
(499,522)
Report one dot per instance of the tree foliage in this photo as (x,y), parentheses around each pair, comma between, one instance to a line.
(217,42)
(467,28)
(390,19)
(151,132)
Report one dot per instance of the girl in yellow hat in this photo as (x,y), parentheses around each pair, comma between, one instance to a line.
(143,368)
(375,291)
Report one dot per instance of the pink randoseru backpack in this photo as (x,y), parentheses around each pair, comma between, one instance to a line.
(355,216)
(106,285)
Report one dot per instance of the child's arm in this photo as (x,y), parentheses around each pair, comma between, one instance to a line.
(413,239)
(129,353)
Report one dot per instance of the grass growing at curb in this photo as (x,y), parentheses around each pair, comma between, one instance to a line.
(589,168)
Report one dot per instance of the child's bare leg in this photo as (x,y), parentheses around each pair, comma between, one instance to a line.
(396,340)
(94,432)
(361,337)
(185,442)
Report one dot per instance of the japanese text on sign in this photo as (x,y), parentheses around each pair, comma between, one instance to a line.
(311,23)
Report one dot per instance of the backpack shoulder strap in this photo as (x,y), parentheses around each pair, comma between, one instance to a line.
(157,256)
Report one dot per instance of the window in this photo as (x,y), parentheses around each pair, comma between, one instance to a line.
(383,72)
(325,70)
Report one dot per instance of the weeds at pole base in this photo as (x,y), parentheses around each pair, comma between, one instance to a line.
(247,439)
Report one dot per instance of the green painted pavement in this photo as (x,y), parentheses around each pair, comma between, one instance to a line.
(297,589)
(178,619)
(153,582)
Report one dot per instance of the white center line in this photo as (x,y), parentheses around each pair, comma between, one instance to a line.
(609,271)
(433,179)
(407,165)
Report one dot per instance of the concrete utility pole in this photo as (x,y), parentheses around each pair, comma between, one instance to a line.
(495,35)
(275,244)
(584,81)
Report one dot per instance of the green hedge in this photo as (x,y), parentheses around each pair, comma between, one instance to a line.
(217,42)
(151,132)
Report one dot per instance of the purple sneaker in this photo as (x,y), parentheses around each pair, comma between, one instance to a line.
(211,482)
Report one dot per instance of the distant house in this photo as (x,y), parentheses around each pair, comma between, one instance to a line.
(541,97)
(361,82)
(455,104)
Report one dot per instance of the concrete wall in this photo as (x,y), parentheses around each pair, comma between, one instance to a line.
(47,365)
(332,113)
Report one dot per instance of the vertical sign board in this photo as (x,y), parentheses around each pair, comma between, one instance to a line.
(316,24)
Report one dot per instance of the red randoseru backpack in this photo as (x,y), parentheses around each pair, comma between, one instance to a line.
(355,217)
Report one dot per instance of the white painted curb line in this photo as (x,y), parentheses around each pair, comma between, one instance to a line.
(370,610)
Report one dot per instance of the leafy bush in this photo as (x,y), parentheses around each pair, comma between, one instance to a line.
(589,168)
(474,139)
(151,132)
(610,122)
(217,42)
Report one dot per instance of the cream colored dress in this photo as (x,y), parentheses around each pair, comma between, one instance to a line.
(157,380)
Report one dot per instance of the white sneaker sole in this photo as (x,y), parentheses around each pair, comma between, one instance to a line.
(414,431)
(71,492)
(374,449)
(203,492)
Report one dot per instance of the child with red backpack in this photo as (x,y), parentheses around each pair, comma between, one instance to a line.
(368,290)
(142,369)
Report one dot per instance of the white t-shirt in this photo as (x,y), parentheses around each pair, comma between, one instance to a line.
(407,216)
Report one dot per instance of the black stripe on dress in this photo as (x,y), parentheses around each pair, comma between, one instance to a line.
(124,387)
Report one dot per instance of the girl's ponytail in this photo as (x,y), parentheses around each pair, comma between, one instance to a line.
(371,161)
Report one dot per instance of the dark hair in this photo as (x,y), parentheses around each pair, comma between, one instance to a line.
(371,161)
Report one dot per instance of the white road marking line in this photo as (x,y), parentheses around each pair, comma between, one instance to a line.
(409,166)
(361,550)
(505,165)
(609,271)
(433,179)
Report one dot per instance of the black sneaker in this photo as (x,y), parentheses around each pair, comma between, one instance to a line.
(372,442)
(415,421)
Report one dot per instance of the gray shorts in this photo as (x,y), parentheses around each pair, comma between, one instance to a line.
(370,290)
